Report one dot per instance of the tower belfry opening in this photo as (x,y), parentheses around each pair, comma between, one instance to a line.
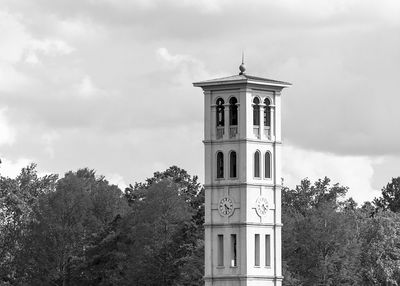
(242,139)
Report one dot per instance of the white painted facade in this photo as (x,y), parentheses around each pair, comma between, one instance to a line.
(249,195)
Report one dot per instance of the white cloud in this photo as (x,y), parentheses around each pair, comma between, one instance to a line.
(47,47)
(183,68)
(18,45)
(207,6)
(86,87)
(126,4)
(77,29)
(12,79)
(13,37)
(10,168)
(317,8)
(356,172)
(177,59)
(31,58)
(390,11)
(17,42)
(48,139)
(7,133)
(51,47)
(116,179)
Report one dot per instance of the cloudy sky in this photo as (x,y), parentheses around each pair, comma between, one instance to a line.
(107,84)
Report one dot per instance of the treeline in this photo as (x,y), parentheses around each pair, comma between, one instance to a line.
(82,230)
(329,240)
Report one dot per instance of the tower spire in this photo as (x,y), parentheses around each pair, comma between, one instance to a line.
(242,67)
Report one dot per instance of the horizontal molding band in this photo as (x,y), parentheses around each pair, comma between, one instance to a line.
(242,224)
(247,140)
(221,185)
(243,277)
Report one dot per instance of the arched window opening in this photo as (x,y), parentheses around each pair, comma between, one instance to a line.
(220,165)
(267,113)
(232,165)
(257,164)
(220,112)
(268,165)
(233,112)
(256,111)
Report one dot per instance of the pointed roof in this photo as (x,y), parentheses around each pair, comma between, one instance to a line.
(241,78)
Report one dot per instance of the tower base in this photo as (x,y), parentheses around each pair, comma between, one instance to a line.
(243,281)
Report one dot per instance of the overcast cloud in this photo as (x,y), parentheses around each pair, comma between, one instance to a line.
(107,84)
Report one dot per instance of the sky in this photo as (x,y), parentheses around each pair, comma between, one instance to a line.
(107,84)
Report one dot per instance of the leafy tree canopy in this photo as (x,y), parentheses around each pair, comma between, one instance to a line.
(390,199)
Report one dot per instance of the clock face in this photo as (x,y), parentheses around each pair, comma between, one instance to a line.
(226,207)
(262,206)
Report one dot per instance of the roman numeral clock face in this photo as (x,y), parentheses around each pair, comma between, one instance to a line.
(225,206)
(262,206)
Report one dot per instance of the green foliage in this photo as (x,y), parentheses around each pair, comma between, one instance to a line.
(319,245)
(390,199)
(80,230)
(18,198)
(330,241)
(381,249)
(158,242)
(62,224)
(306,197)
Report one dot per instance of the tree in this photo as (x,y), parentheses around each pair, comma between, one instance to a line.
(192,192)
(162,220)
(189,234)
(320,246)
(158,242)
(18,198)
(188,187)
(63,227)
(306,196)
(380,257)
(390,199)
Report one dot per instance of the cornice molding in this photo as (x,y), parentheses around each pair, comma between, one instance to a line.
(222,185)
(243,277)
(246,140)
(243,224)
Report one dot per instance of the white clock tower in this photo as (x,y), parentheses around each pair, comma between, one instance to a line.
(242,138)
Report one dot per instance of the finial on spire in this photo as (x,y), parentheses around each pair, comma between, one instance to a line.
(242,67)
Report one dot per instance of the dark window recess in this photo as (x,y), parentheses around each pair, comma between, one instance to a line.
(256,111)
(233,111)
(257,164)
(267,113)
(233,165)
(220,165)
(220,112)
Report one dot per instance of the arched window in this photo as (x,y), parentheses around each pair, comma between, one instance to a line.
(268,165)
(267,113)
(232,165)
(256,111)
(233,111)
(220,112)
(257,164)
(220,165)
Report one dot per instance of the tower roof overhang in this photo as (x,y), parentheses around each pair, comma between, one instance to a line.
(241,79)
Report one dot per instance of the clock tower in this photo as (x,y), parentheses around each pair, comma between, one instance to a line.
(242,138)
